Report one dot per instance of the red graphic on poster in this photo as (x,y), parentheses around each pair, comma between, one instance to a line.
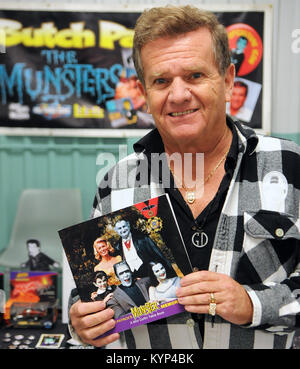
(246,48)
(148,208)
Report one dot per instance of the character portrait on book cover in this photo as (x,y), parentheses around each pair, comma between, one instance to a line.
(137,248)
(131,292)
(104,253)
(162,286)
(104,290)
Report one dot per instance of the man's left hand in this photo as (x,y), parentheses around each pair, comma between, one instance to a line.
(233,302)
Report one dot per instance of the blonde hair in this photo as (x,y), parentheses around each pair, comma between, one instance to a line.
(103,239)
(170,21)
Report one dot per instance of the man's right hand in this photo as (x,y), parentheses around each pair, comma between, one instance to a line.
(90,320)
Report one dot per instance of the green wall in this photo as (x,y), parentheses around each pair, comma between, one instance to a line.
(54,162)
(49,162)
(289,136)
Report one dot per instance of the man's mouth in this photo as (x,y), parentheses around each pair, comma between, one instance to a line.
(180,113)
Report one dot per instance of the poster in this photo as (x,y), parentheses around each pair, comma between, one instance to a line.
(72,70)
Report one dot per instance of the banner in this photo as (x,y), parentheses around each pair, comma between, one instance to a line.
(74,69)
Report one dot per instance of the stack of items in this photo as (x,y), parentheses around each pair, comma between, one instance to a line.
(30,341)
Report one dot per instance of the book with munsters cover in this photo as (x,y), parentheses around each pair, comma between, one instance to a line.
(125,259)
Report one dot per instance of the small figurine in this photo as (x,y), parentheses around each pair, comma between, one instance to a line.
(38,260)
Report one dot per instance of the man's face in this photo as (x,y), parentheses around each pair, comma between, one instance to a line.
(159,271)
(124,275)
(123,229)
(33,249)
(184,90)
(238,97)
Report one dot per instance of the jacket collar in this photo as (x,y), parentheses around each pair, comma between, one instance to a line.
(248,139)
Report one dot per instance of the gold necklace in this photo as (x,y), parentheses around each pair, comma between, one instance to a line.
(190,195)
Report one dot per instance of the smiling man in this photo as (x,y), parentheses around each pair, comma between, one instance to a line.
(241,264)
(129,293)
(186,95)
(185,92)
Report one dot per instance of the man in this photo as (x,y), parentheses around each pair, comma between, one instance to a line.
(237,108)
(129,293)
(244,294)
(138,250)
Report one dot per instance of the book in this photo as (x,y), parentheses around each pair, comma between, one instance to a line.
(126,258)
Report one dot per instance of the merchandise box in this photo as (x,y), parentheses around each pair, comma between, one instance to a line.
(31,287)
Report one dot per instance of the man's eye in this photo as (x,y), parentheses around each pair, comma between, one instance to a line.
(196,75)
(160,81)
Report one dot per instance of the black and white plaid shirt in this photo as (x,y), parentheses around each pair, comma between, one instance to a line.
(256,243)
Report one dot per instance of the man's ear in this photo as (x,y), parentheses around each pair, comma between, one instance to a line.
(144,93)
(141,88)
(229,81)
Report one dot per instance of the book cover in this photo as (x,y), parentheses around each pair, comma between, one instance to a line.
(125,258)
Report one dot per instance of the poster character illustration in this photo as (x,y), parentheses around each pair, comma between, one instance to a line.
(69,69)
(124,258)
(246,47)
(244,97)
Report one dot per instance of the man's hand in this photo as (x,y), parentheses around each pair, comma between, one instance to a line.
(233,302)
(90,320)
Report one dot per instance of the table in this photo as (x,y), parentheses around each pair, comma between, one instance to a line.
(29,338)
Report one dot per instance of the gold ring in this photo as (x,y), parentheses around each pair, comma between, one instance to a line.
(213,305)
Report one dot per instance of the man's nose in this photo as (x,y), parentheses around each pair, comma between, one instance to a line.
(179,91)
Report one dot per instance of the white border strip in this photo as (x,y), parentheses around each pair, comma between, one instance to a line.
(71,132)
(132,7)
